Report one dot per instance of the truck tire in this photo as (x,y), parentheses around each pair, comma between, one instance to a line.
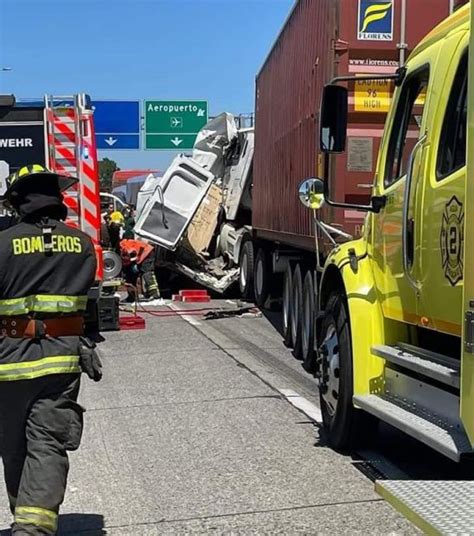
(287,302)
(297,311)
(262,277)
(346,427)
(276,291)
(246,264)
(308,323)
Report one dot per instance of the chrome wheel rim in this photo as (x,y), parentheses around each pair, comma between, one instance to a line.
(329,383)
(306,324)
(294,317)
(243,271)
(286,304)
(259,277)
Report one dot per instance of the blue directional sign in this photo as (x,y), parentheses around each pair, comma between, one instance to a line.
(117,141)
(117,124)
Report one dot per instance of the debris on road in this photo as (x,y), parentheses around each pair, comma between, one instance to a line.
(242,312)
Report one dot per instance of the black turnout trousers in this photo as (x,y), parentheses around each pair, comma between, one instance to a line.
(40,420)
(147,273)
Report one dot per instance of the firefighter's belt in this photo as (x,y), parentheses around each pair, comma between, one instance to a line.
(34,328)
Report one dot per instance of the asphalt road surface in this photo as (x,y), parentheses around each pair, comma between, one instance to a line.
(194,430)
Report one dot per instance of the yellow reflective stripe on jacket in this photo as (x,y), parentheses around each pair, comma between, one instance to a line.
(28,370)
(42,303)
(39,517)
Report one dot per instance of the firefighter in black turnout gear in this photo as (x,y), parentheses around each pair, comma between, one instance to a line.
(46,270)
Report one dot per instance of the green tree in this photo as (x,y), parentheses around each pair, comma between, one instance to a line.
(107,168)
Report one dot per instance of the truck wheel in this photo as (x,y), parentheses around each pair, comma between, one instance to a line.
(276,291)
(342,421)
(262,277)
(308,323)
(297,311)
(246,263)
(287,305)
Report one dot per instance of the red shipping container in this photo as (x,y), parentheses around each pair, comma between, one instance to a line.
(322,39)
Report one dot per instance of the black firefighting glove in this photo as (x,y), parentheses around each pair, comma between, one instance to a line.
(89,359)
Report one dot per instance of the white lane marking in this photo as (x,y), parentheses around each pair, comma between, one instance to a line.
(308,408)
(231,302)
(187,318)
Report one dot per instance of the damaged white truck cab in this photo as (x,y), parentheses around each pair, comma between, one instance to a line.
(199,211)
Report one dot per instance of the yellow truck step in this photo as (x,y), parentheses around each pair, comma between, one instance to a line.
(428,428)
(435,507)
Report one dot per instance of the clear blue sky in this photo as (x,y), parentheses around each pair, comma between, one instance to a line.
(137,49)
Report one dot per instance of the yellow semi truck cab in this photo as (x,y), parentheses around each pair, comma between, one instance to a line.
(395,334)
(395,331)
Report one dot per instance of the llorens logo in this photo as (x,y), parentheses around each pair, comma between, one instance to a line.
(375,20)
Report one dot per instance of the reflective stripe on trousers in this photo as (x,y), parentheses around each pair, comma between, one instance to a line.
(39,517)
(42,303)
(27,370)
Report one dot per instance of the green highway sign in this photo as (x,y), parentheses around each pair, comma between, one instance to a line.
(169,141)
(173,124)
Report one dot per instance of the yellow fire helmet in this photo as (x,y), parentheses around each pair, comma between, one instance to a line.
(35,172)
(117,217)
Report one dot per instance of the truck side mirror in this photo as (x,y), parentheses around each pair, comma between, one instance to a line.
(7,101)
(334,111)
(311,193)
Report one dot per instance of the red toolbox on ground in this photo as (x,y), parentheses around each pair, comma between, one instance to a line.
(192,296)
(131,322)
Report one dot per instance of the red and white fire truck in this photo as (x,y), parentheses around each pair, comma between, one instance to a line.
(57,132)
